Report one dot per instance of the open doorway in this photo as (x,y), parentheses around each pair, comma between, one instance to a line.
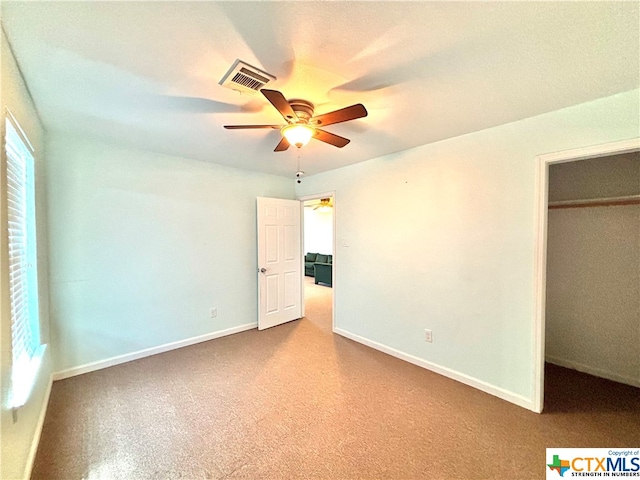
(587,200)
(318,222)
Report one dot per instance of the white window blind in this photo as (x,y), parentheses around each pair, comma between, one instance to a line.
(23,280)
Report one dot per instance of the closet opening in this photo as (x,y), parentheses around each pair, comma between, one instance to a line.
(588,302)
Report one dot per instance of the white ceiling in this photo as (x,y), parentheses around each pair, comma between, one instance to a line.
(146,74)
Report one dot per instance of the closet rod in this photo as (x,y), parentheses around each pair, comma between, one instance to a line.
(597,202)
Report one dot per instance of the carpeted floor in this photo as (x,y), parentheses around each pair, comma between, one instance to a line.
(296,401)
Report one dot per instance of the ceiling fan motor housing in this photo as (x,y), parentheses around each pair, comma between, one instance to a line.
(302,108)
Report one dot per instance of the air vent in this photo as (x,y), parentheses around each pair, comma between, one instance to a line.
(245,78)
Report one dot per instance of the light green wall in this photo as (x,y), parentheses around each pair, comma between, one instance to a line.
(143,245)
(18,438)
(442,237)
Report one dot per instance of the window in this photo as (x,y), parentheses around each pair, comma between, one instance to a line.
(23,277)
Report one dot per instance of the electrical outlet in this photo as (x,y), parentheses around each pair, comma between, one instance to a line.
(428,335)
(213,313)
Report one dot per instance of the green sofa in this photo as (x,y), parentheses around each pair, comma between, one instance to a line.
(312,260)
(323,273)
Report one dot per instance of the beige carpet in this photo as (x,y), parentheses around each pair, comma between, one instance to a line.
(296,401)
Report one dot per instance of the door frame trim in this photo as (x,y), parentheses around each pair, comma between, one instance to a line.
(334,269)
(540,244)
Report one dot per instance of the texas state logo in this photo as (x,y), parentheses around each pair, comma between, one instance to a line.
(592,462)
(559,465)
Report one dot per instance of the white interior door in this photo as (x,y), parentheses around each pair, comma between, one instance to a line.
(279,262)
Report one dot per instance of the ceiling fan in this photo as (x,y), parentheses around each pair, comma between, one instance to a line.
(301,125)
(322,204)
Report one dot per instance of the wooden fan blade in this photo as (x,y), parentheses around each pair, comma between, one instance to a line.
(282,146)
(330,138)
(277,100)
(342,115)
(237,127)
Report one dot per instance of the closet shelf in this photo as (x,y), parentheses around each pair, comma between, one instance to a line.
(597,202)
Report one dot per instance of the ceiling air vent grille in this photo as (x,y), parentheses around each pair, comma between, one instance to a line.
(245,78)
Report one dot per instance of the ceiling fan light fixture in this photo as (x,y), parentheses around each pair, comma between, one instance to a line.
(298,134)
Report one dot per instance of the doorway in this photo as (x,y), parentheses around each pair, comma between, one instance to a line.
(543,165)
(319,255)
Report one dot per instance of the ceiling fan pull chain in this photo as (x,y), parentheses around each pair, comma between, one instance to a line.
(299,173)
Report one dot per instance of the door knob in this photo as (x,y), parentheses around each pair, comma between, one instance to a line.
(263,270)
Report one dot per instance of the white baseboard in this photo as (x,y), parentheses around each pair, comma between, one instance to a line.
(147,352)
(597,372)
(444,371)
(38,433)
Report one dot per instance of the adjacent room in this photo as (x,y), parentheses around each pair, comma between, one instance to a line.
(312,239)
(318,240)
